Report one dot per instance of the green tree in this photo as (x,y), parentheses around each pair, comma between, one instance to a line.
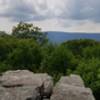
(3,34)
(4,67)
(91,52)
(77,46)
(58,61)
(26,56)
(90,72)
(6,46)
(26,30)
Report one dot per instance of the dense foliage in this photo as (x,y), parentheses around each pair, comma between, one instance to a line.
(26,30)
(27,48)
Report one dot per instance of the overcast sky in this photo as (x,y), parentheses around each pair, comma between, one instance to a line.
(52,15)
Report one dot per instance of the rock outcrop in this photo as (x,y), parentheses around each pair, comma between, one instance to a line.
(25,85)
(71,88)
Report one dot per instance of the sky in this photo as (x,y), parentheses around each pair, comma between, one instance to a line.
(52,15)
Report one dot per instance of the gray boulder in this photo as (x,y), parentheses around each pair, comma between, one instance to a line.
(25,85)
(27,78)
(71,88)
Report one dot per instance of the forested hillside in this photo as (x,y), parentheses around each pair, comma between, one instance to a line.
(28,48)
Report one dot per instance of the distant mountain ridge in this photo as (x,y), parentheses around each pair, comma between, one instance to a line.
(59,37)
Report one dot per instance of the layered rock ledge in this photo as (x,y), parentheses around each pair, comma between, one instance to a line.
(25,85)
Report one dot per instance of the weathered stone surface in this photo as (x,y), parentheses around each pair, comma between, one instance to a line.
(0,79)
(25,85)
(46,99)
(19,93)
(71,88)
(24,78)
(68,92)
(74,80)
(17,78)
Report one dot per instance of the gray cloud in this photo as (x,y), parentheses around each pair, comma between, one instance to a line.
(28,10)
(86,10)
(18,10)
